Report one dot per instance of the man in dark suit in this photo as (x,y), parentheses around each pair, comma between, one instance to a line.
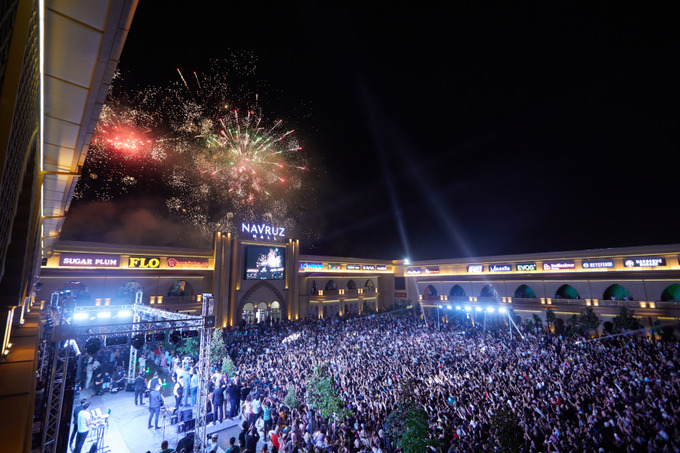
(155,404)
(139,388)
(234,399)
(218,400)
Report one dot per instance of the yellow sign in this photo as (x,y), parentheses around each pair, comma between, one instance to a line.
(144,262)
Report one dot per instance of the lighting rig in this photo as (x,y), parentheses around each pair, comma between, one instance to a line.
(137,324)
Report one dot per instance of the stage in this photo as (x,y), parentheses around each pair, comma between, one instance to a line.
(127,425)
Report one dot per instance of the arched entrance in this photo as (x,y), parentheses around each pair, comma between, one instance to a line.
(567,292)
(524,292)
(262,303)
(457,293)
(616,292)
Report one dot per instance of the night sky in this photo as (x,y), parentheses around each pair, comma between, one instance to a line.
(445,129)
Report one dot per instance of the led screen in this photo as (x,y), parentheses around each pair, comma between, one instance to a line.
(264,263)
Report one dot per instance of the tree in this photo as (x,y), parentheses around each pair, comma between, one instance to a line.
(228,368)
(218,350)
(588,320)
(507,431)
(538,322)
(408,425)
(291,399)
(323,395)
(550,317)
(625,320)
(190,346)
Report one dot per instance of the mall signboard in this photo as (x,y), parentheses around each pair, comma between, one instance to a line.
(598,264)
(475,268)
(525,267)
(644,261)
(500,267)
(88,260)
(558,265)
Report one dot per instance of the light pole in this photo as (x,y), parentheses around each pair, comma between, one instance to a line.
(438,328)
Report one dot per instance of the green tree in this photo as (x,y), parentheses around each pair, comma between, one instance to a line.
(550,317)
(218,350)
(507,431)
(573,325)
(625,320)
(407,427)
(190,346)
(228,368)
(323,395)
(291,399)
(538,322)
(588,320)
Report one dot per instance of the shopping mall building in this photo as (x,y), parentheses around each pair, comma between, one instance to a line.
(256,277)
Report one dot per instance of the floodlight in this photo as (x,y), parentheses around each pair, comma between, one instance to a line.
(458,307)
(448,307)
(467,308)
(124,313)
(478,308)
(104,314)
(80,316)
(502,310)
(490,309)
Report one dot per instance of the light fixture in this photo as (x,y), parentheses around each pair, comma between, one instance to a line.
(478,308)
(502,310)
(490,309)
(175,338)
(80,316)
(138,341)
(104,314)
(124,313)
(93,345)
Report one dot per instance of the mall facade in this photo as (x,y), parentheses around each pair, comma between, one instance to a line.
(259,277)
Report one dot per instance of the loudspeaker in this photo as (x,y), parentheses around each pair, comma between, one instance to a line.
(130,387)
(181,428)
(189,425)
(186,415)
(209,417)
(173,419)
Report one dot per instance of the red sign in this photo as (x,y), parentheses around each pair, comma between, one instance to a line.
(184,262)
(400,295)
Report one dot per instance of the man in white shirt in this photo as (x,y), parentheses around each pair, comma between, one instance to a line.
(84,423)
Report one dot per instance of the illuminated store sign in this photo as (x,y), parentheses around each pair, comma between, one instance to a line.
(602,264)
(187,262)
(368,267)
(644,262)
(144,262)
(88,260)
(381,268)
(526,267)
(414,271)
(263,231)
(311,266)
(475,268)
(432,270)
(401,295)
(353,267)
(558,265)
(500,268)
(334,267)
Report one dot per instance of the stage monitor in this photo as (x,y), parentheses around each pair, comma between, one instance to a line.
(264,262)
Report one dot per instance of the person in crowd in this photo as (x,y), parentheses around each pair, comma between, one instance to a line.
(98,381)
(234,392)
(178,392)
(165,447)
(218,400)
(213,444)
(252,438)
(139,389)
(194,386)
(233,448)
(84,423)
(74,431)
(155,405)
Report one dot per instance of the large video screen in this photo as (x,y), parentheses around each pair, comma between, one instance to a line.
(264,262)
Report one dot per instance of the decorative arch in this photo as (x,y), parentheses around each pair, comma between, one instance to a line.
(525,292)
(351,285)
(181,288)
(489,291)
(261,292)
(330,286)
(315,289)
(457,292)
(616,292)
(430,292)
(369,284)
(671,293)
(567,292)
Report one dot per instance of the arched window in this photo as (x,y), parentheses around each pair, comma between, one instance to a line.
(567,292)
(671,293)
(248,313)
(351,285)
(489,291)
(369,285)
(457,292)
(276,311)
(616,292)
(524,292)
(330,285)
(430,293)
(181,288)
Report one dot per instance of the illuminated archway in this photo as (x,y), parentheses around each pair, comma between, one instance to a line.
(489,291)
(567,292)
(331,286)
(616,292)
(369,284)
(524,292)
(430,293)
(671,293)
(457,292)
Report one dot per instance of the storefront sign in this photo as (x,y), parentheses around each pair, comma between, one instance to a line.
(432,270)
(475,268)
(401,295)
(353,267)
(368,267)
(334,267)
(500,268)
(187,262)
(381,268)
(558,265)
(311,266)
(523,267)
(601,264)
(263,231)
(414,271)
(144,262)
(644,262)
(88,260)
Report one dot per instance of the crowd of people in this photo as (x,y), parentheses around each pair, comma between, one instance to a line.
(565,394)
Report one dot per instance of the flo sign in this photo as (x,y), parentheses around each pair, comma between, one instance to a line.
(262,232)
